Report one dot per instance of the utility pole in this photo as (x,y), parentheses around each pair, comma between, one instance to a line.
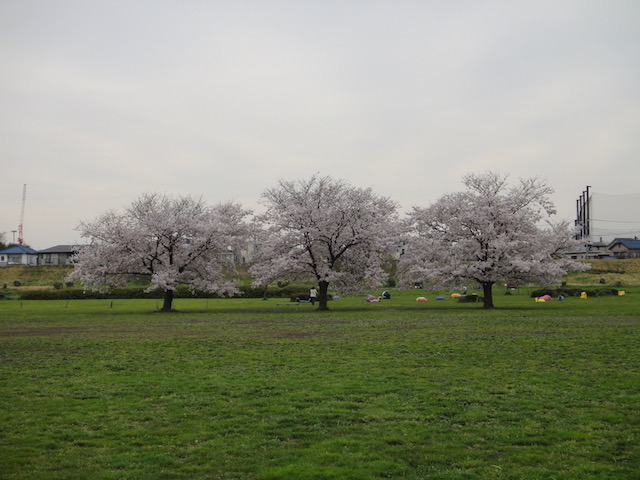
(20,232)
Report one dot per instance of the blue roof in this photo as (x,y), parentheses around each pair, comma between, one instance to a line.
(630,243)
(19,249)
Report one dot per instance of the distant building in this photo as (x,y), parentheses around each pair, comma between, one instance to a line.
(18,255)
(58,255)
(625,248)
(590,251)
(608,216)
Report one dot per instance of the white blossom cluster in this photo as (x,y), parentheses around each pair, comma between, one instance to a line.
(170,241)
(491,233)
(330,233)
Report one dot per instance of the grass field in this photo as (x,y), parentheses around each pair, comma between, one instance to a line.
(249,389)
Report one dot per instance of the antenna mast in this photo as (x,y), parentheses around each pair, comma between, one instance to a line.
(24,196)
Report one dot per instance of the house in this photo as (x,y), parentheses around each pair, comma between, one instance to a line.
(625,247)
(590,251)
(58,255)
(18,255)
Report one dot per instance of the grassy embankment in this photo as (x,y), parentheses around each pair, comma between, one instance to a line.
(623,272)
(34,276)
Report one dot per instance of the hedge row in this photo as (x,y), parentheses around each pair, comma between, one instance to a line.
(138,292)
(573,292)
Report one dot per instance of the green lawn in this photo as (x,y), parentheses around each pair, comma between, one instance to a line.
(248,389)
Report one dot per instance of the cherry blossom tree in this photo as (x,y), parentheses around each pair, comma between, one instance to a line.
(326,230)
(172,241)
(489,233)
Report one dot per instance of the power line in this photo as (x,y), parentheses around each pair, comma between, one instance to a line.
(612,221)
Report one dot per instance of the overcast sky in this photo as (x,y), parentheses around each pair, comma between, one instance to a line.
(103,100)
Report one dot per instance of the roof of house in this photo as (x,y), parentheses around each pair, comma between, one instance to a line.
(630,243)
(61,249)
(20,249)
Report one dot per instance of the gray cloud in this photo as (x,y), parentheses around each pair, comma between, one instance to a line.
(102,101)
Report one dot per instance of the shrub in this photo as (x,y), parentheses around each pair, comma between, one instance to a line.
(470,298)
(57,285)
(138,292)
(17,283)
(573,292)
(299,296)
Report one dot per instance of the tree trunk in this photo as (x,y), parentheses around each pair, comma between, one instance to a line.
(168,301)
(322,295)
(487,292)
